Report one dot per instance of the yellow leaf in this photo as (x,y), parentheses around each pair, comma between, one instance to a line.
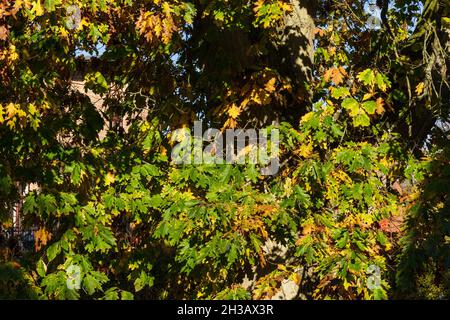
(306,150)
(367,96)
(11,110)
(307,117)
(234,112)
(37,8)
(245,102)
(11,123)
(32,109)
(285,6)
(346,285)
(296,278)
(41,237)
(230,123)
(63,33)
(380,106)
(21,113)
(308,229)
(307,187)
(281,267)
(270,85)
(109,178)
(166,8)
(419,88)
(13,55)
(133,266)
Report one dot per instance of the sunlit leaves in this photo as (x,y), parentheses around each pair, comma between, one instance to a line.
(109,200)
(234,112)
(419,88)
(367,77)
(37,8)
(160,26)
(51,5)
(352,106)
(335,74)
(339,93)
(268,12)
(3,33)
(96,82)
(371,78)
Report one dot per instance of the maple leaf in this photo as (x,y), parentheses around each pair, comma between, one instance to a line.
(11,110)
(335,74)
(380,106)
(392,224)
(367,77)
(109,178)
(41,237)
(37,8)
(234,112)
(306,150)
(327,75)
(3,33)
(367,96)
(419,88)
(230,123)
(270,85)
(319,31)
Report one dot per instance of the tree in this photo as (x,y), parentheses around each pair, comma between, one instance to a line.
(360,203)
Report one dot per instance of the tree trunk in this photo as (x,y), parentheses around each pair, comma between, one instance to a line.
(294,57)
(297,41)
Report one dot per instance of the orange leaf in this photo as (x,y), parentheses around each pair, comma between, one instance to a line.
(335,74)
(380,106)
(3,33)
(270,85)
(41,237)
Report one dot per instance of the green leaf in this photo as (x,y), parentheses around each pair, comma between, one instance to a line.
(352,105)
(5,184)
(370,106)
(111,294)
(76,170)
(50,5)
(125,295)
(30,204)
(383,82)
(382,239)
(190,12)
(303,198)
(361,120)
(142,281)
(343,240)
(53,251)
(338,93)
(367,77)
(41,268)
(93,281)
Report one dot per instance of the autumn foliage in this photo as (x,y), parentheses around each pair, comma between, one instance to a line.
(362,189)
